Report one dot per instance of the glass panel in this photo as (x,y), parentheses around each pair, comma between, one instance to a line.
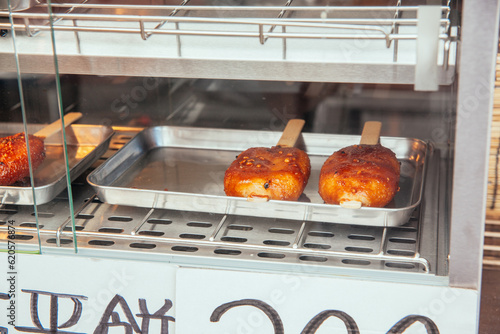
(134,67)
(19,224)
(41,196)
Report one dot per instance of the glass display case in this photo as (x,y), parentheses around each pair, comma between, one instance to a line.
(135,109)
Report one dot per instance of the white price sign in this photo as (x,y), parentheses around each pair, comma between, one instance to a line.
(74,294)
(69,294)
(223,302)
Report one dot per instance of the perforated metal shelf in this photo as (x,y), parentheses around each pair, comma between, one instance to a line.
(198,238)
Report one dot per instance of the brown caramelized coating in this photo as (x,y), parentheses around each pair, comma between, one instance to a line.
(279,173)
(14,164)
(365,173)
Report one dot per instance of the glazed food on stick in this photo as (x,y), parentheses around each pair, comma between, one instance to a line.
(277,173)
(14,163)
(361,175)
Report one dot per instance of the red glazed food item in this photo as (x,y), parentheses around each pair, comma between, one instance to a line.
(364,173)
(278,173)
(14,164)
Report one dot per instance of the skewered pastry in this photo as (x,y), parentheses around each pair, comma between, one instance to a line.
(368,174)
(278,173)
(14,164)
(14,157)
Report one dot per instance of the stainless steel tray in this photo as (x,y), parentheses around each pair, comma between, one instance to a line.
(85,144)
(183,169)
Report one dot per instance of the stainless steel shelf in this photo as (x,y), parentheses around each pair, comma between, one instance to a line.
(285,41)
(206,239)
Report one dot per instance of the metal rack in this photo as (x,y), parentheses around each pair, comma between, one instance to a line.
(215,239)
(375,28)
(212,38)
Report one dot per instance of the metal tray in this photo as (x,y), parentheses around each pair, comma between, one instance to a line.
(183,169)
(85,144)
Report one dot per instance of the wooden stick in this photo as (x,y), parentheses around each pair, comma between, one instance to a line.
(371,133)
(54,127)
(291,133)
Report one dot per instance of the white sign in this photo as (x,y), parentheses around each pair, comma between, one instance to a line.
(71,294)
(223,302)
(74,294)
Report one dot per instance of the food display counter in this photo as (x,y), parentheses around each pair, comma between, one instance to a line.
(125,225)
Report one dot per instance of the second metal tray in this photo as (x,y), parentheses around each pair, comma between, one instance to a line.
(183,169)
(85,144)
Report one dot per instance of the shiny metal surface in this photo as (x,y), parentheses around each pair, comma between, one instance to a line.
(183,169)
(406,253)
(472,144)
(262,40)
(85,144)
(18,5)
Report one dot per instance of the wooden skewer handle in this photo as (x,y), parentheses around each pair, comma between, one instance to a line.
(371,133)
(56,126)
(291,133)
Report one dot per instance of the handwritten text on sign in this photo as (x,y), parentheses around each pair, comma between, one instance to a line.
(70,295)
(111,318)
